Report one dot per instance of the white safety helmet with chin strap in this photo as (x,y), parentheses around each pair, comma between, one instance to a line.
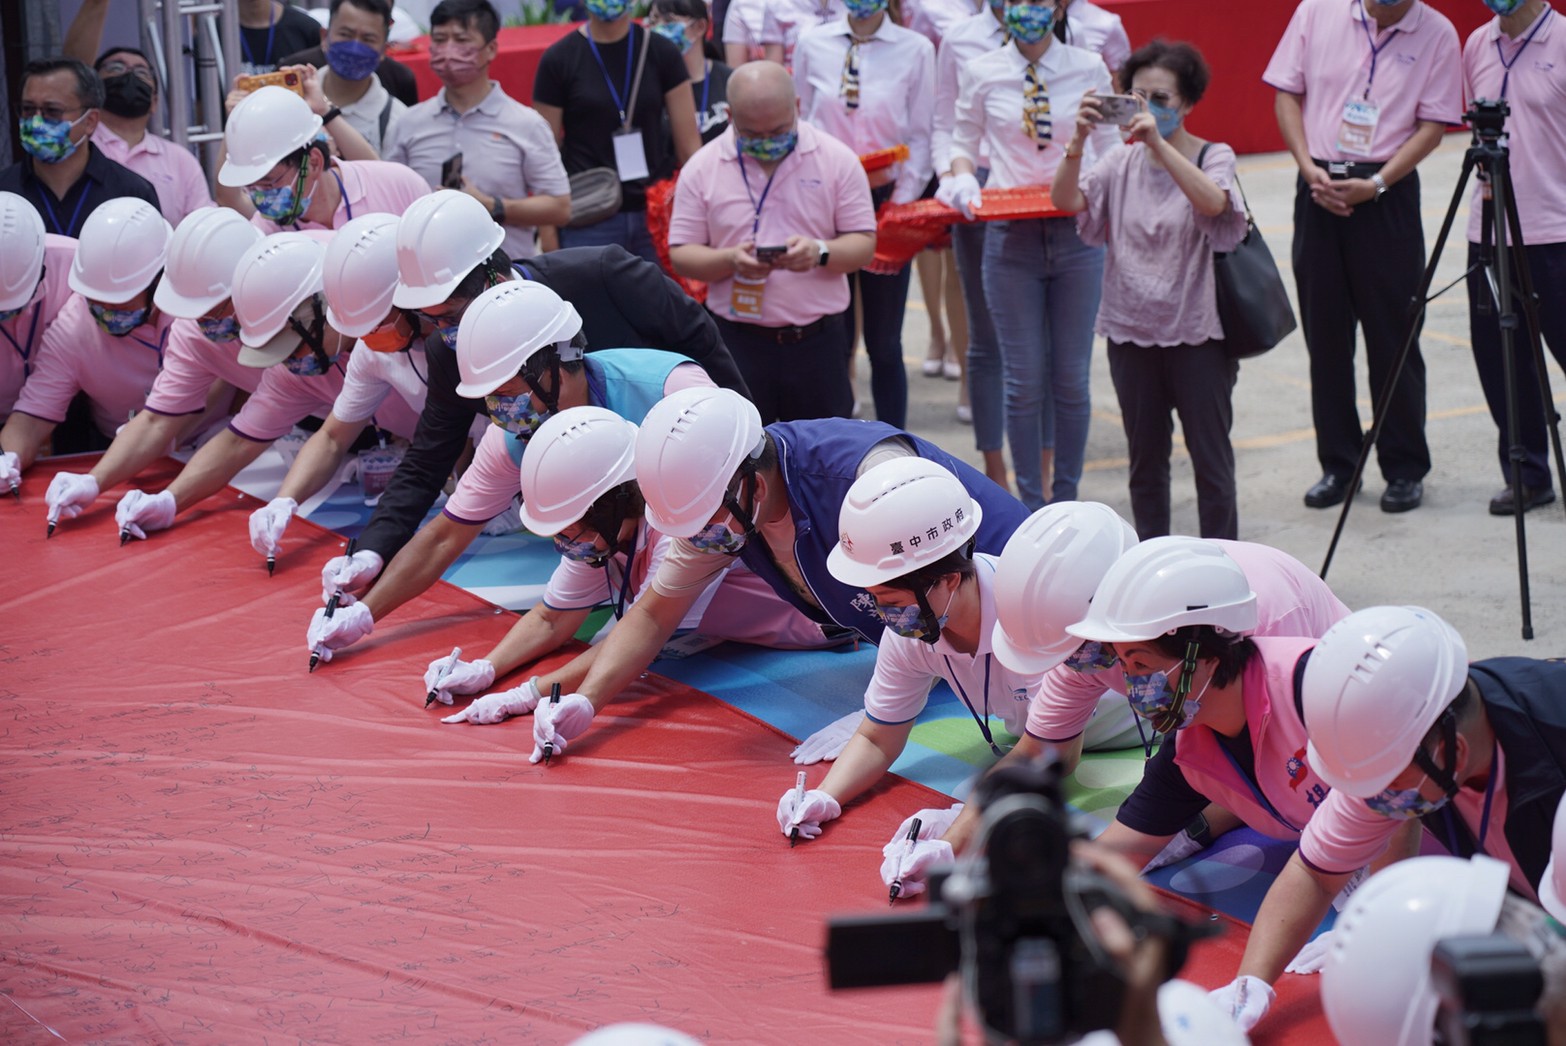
(692,445)
(1046,577)
(505,328)
(575,458)
(272,281)
(1163,585)
(1552,888)
(1375,984)
(203,254)
(1375,684)
(442,237)
(121,251)
(360,270)
(21,251)
(271,123)
(898,517)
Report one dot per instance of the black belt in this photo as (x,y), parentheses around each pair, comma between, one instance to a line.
(787,335)
(1347,168)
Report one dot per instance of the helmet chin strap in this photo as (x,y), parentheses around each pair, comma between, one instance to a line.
(314,335)
(1169,721)
(1445,777)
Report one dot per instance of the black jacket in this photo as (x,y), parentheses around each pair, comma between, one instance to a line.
(625,302)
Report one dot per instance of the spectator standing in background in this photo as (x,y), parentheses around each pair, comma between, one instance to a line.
(605,89)
(1090,27)
(354,48)
(358,23)
(783,20)
(865,80)
(741,21)
(269,29)
(1161,207)
(684,23)
(510,162)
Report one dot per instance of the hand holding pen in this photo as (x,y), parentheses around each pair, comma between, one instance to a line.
(558,722)
(440,677)
(913,840)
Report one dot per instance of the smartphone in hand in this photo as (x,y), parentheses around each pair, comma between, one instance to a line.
(451,172)
(277,78)
(1118,109)
(770,255)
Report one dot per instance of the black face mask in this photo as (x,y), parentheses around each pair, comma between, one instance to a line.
(127,95)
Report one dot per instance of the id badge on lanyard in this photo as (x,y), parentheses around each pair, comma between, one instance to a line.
(630,155)
(1358,129)
(745,299)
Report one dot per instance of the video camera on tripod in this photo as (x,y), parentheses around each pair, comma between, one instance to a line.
(1013,918)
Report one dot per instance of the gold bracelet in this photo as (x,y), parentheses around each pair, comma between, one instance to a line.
(1073,155)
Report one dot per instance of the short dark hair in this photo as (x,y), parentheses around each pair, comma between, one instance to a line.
(959,562)
(375,7)
(111,52)
(478,15)
(89,89)
(1232,652)
(1185,61)
(478,280)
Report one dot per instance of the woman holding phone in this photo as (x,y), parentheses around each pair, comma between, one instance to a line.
(1161,208)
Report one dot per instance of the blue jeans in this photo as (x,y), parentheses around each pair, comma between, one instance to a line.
(1043,285)
(628,229)
(986,388)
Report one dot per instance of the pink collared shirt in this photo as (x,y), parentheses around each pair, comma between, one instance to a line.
(819,190)
(965,41)
(191,364)
(282,400)
(22,335)
(896,68)
(369,187)
(1326,56)
(174,172)
(77,355)
(1536,128)
(1290,601)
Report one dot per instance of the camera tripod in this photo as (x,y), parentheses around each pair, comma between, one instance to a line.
(1505,266)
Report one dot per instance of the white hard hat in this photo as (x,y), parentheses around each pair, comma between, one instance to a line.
(635,1034)
(21,250)
(899,516)
(122,248)
(690,446)
(575,457)
(202,255)
(361,272)
(1164,584)
(273,279)
(1046,577)
(1374,685)
(1552,888)
(503,329)
(269,124)
(1190,1017)
(442,238)
(1375,984)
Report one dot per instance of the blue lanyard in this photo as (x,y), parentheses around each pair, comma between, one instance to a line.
(630,42)
(1507,79)
(54,219)
(756,205)
(271,28)
(984,726)
(163,340)
(32,330)
(625,576)
(706,81)
(1255,788)
(1375,52)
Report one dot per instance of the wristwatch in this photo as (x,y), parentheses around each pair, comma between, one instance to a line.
(331,114)
(824,255)
(497,210)
(1380,184)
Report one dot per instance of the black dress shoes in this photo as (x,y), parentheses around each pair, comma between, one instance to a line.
(1329,490)
(1503,504)
(1402,495)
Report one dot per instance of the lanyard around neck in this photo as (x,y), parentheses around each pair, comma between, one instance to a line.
(32,332)
(755,204)
(1537,25)
(983,721)
(630,46)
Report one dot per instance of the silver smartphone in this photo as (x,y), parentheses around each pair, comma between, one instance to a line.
(1118,109)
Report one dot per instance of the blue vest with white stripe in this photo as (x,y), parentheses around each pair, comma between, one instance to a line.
(626,381)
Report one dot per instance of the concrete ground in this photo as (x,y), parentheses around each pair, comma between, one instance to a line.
(1450,555)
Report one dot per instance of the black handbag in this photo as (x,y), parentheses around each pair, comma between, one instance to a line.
(1253,304)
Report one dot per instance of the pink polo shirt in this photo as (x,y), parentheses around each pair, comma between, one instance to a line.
(1325,55)
(1536,128)
(173,171)
(22,335)
(369,187)
(191,364)
(77,355)
(819,190)
(1290,601)
(282,399)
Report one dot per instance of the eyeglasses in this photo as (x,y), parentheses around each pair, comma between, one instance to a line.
(49,112)
(1035,107)
(140,72)
(1163,98)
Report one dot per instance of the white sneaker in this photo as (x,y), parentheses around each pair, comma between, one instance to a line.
(932,368)
(952,369)
(965,414)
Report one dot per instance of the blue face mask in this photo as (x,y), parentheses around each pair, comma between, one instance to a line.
(908,621)
(1403,804)
(221,330)
(117,322)
(589,552)
(1503,7)
(769,149)
(1169,120)
(352,59)
(49,140)
(283,203)
(675,33)
(309,365)
(864,8)
(1091,657)
(1029,23)
(1152,696)
(515,414)
(608,10)
(7,315)
(446,327)
(719,538)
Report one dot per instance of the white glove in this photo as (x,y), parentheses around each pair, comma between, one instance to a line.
(1312,957)
(68,495)
(959,192)
(933,823)
(492,708)
(465,677)
(267,525)
(1177,849)
(806,813)
(559,723)
(349,625)
(10,470)
(139,512)
(910,867)
(828,742)
(349,574)
(1246,999)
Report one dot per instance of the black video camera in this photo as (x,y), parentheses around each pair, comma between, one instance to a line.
(1013,917)
(1489,986)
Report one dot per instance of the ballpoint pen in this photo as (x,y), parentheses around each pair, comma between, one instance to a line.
(554,699)
(913,839)
(799,797)
(445,670)
(331,608)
